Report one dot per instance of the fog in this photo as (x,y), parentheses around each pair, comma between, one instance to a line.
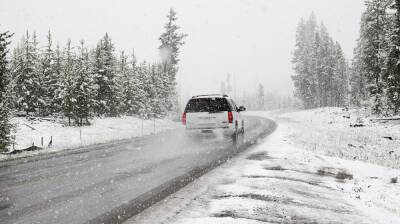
(250,39)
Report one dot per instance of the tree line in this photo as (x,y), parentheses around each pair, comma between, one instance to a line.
(375,73)
(77,82)
(266,100)
(372,79)
(321,70)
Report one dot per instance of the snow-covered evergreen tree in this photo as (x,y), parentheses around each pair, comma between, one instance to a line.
(159,88)
(320,67)
(83,88)
(373,37)
(26,76)
(326,73)
(56,82)
(136,93)
(132,90)
(104,68)
(143,75)
(49,81)
(305,88)
(171,42)
(47,78)
(358,80)
(340,88)
(154,91)
(68,74)
(14,70)
(5,124)
(126,81)
(39,92)
(392,73)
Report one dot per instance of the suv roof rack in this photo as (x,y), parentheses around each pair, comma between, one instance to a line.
(223,95)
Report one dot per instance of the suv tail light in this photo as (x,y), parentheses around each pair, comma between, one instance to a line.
(230,117)
(184,118)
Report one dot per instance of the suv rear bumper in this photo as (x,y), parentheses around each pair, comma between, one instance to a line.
(226,131)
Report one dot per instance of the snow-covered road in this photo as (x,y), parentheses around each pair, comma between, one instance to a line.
(278,182)
(110,182)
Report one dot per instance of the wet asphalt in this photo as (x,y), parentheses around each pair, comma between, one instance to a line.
(109,183)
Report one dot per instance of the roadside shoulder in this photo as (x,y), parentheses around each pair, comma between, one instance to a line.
(278,182)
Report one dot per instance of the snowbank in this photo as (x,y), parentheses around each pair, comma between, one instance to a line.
(277,182)
(102,130)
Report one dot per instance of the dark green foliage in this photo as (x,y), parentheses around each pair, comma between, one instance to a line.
(358,81)
(77,83)
(373,50)
(50,72)
(392,74)
(83,88)
(104,68)
(26,76)
(171,41)
(67,86)
(375,72)
(5,125)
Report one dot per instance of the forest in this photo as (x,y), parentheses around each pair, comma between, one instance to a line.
(77,83)
(323,77)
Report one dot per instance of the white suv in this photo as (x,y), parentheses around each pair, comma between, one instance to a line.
(213,113)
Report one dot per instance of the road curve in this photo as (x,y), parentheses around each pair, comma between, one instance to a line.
(110,183)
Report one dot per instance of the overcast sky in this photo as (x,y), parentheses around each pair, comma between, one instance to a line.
(251,39)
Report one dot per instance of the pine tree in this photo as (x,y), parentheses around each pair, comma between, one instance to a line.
(317,72)
(358,80)
(27,80)
(39,94)
(328,78)
(155,91)
(392,73)
(15,64)
(159,88)
(56,85)
(83,88)
(145,111)
(107,99)
(5,124)
(320,67)
(304,62)
(127,84)
(48,79)
(68,74)
(164,89)
(340,88)
(136,92)
(113,98)
(374,47)
(171,42)
(98,75)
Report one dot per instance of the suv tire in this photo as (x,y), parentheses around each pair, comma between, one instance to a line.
(235,135)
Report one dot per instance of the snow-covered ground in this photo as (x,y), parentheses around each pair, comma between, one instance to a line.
(279,182)
(102,130)
(329,131)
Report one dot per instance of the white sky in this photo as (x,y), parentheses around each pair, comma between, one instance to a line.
(251,39)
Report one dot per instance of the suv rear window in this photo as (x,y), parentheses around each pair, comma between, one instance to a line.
(211,105)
